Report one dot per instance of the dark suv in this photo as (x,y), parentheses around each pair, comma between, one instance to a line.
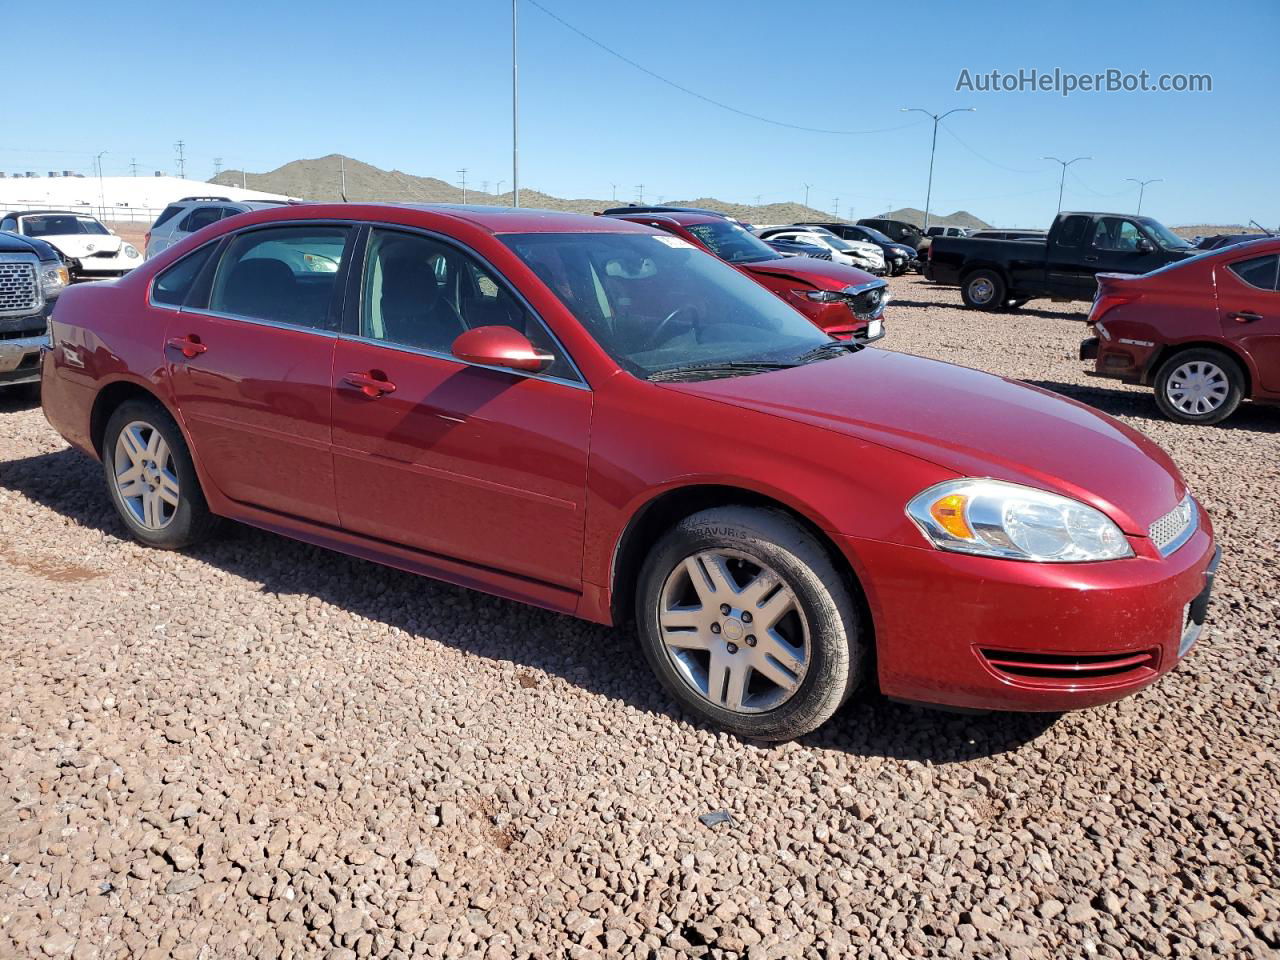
(899,231)
(32,274)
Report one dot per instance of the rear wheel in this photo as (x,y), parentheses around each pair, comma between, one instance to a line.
(747,623)
(152,479)
(1200,385)
(984,290)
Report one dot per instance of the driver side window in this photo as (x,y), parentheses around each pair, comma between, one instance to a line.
(1113,233)
(423,294)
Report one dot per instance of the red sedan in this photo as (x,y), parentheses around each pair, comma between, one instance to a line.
(1204,332)
(578,413)
(846,302)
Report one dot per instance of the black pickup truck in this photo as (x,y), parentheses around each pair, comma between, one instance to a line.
(1004,274)
(32,274)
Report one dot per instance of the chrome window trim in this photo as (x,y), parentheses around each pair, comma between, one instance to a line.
(151,284)
(257,321)
(497,275)
(438,355)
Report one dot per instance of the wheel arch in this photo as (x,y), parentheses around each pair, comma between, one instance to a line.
(1169,350)
(665,509)
(111,396)
(973,267)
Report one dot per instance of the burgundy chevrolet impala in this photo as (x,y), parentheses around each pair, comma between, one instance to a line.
(589,415)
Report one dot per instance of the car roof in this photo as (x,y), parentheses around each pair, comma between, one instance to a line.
(679,218)
(45,213)
(496,220)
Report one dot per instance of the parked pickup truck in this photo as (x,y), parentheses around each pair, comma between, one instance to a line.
(32,274)
(1004,274)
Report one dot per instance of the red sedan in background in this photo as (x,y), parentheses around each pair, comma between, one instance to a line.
(846,302)
(1203,332)
(588,415)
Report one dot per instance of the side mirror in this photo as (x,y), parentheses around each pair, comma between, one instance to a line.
(501,347)
(1144,246)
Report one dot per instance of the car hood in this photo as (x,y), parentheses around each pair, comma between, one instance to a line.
(84,244)
(823,274)
(973,423)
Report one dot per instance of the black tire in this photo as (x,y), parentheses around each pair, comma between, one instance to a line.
(984,290)
(187,523)
(1224,375)
(834,652)
(1014,304)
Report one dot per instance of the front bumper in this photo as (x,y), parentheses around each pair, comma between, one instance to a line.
(978,633)
(20,359)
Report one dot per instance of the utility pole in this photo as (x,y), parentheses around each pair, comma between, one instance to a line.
(515,108)
(500,183)
(484,184)
(1063,179)
(806,193)
(217,166)
(640,192)
(1142,186)
(462,172)
(182,160)
(342,173)
(937,118)
(615,192)
(102,196)
(836,204)
(759,197)
(243,179)
(133,166)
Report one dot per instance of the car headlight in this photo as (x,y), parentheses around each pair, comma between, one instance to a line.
(131,251)
(820,296)
(53,278)
(993,518)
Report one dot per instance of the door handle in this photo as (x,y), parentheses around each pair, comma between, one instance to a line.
(1246,316)
(189,346)
(1090,259)
(372,384)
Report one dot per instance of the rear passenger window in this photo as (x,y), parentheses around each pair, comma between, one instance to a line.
(1072,231)
(281,274)
(1259,272)
(173,285)
(200,217)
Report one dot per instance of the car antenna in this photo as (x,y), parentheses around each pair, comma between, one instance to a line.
(1262,228)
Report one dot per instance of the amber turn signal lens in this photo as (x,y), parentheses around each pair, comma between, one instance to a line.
(949,512)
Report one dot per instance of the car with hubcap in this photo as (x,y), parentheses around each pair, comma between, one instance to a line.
(1203,333)
(582,414)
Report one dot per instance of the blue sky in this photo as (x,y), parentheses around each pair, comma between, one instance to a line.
(424,86)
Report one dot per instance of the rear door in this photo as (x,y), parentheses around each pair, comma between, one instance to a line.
(250,357)
(1069,271)
(473,463)
(1249,311)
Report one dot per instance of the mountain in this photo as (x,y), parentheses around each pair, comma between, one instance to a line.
(961,218)
(321,178)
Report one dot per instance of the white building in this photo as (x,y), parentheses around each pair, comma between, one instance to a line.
(129,199)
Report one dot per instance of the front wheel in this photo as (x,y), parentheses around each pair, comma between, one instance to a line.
(747,623)
(984,290)
(151,478)
(1199,386)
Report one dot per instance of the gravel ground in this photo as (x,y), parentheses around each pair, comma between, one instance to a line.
(262,749)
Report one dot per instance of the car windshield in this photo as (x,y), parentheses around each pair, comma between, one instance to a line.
(731,242)
(657,303)
(875,235)
(837,243)
(60,225)
(1164,236)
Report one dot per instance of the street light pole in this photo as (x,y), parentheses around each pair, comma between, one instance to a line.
(806,194)
(515,108)
(933,149)
(102,197)
(1142,186)
(1063,179)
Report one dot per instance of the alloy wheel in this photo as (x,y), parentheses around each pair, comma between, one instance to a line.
(981,290)
(734,631)
(145,476)
(1197,387)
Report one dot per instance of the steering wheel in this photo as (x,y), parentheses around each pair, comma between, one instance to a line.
(669,320)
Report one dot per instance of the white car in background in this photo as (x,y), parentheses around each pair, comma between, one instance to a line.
(91,251)
(853,253)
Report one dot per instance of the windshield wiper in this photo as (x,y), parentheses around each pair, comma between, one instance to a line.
(824,350)
(724,368)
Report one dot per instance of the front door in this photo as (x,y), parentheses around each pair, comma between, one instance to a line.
(476,464)
(1249,311)
(1120,246)
(251,362)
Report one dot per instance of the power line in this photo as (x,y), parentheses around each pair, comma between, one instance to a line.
(983,157)
(705,99)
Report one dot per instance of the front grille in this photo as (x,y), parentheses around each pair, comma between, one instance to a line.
(1175,528)
(103,253)
(19,293)
(1083,669)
